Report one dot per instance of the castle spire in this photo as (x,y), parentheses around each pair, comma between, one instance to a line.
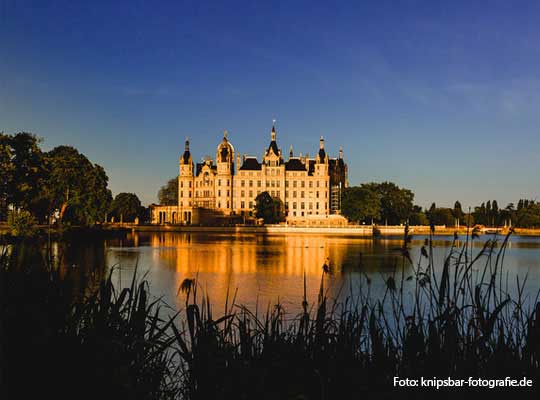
(186,145)
(290,152)
(340,152)
(273,133)
(321,143)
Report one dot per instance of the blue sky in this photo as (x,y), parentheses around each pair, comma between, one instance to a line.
(439,97)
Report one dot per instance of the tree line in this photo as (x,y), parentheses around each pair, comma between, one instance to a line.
(61,185)
(387,203)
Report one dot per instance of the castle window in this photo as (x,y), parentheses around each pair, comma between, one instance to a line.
(286,183)
(219,182)
(250,183)
(302,206)
(294,184)
(311,206)
(218,205)
(294,194)
(181,194)
(228,194)
(250,204)
(243,183)
(317,194)
(310,184)
(294,206)
(277,183)
(302,194)
(303,184)
(258,183)
(181,184)
(190,184)
(219,193)
(318,183)
(251,193)
(317,206)
(243,194)
(242,204)
(227,204)
(190,193)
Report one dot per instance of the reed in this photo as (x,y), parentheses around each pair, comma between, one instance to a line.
(456,320)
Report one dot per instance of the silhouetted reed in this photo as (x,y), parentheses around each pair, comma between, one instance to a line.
(455,320)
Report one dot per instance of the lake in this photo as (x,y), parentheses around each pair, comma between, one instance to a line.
(260,270)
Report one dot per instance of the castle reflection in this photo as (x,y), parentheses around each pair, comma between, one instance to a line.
(261,269)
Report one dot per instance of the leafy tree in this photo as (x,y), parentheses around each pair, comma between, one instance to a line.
(6,173)
(418,217)
(126,207)
(268,208)
(458,213)
(442,216)
(360,204)
(396,202)
(168,194)
(25,171)
(75,187)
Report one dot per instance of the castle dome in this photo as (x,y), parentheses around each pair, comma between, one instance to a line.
(225,150)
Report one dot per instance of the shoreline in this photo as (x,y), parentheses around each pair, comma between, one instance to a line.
(351,230)
(365,231)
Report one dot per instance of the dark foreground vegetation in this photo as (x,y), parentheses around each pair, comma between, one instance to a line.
(74,335)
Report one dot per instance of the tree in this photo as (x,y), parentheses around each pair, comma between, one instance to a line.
(360,204)
(168,194)
(418,217)
(75,187)
(458,213)
(6,173)
(268,208)
(25,169)
(126,207)
(396,202)
(442,216)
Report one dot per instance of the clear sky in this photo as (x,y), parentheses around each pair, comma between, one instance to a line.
(440,97)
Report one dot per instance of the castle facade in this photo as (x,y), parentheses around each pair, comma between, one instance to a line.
(308,188)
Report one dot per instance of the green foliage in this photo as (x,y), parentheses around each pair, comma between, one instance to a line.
(418,217)
(126,207)
(395,203)
(76,187)
(360,204)
(442,216)
(21,169)
(21,223)
(168,194)
(268,208)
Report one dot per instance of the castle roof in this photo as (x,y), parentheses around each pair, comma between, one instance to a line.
(294,164)
(250,164)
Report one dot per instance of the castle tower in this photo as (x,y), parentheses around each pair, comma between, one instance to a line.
(185,185)
(225,172)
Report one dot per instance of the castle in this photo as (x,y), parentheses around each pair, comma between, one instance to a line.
(308,188)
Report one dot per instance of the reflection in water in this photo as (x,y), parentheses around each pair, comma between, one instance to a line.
(263,269)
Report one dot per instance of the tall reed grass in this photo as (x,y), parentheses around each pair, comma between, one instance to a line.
(452,320)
